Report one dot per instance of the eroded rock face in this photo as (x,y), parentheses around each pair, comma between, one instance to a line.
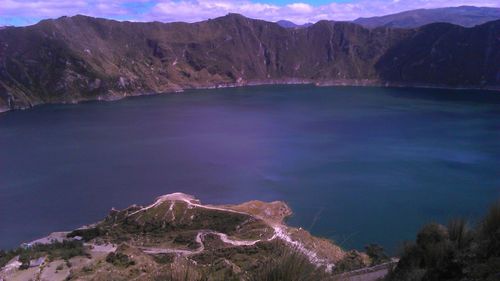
(81,58)
(175,231)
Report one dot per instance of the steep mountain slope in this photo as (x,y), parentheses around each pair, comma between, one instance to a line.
(445,54)
(467,16)
(80,58)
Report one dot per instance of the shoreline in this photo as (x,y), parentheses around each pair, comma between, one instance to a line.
(337,83)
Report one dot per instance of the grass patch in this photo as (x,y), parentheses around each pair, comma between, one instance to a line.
(120,260)
(289,265)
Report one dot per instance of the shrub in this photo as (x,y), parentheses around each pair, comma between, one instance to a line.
(431,234)
(376,254)
(351,261)
(63,250)
(489,232)
(459,233)
(119,259)
(453,253)
(182,271)
(164,258)
(290,265)
(87,234)
(6,256)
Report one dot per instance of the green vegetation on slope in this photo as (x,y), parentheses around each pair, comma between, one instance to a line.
(57,250)
(82,58)
(453,252)
(177,238)
(289,265)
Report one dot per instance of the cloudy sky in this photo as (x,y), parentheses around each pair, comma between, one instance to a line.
(25,12)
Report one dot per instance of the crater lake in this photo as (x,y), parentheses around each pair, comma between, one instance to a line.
(358,165)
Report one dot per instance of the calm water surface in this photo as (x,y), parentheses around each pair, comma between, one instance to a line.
(357,165)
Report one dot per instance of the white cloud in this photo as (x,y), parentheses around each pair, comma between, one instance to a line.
(301,7)
(196,10)
(366,8)
(56,8)
(203,9)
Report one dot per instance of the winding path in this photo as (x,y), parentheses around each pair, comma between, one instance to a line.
(280,232)
(199,239)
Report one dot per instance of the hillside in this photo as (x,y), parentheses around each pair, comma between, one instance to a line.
(71,59)
(176,234)
(467,16)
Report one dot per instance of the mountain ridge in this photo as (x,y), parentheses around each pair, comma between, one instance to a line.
(467,16)
(71,59)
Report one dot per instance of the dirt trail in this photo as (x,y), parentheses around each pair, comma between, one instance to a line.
(199,239)
(280,232)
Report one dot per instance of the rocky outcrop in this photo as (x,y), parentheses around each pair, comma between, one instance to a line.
(82,58)
(142,242)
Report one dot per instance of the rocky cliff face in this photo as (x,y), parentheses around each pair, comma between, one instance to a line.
(81,58)
(447,55)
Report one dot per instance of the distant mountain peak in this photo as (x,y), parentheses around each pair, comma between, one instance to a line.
(466,16)
(290,24)
(233,16)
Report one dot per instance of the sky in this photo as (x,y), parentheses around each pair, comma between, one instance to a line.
(26,12)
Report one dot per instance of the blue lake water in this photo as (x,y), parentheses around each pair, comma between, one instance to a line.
(358,165)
